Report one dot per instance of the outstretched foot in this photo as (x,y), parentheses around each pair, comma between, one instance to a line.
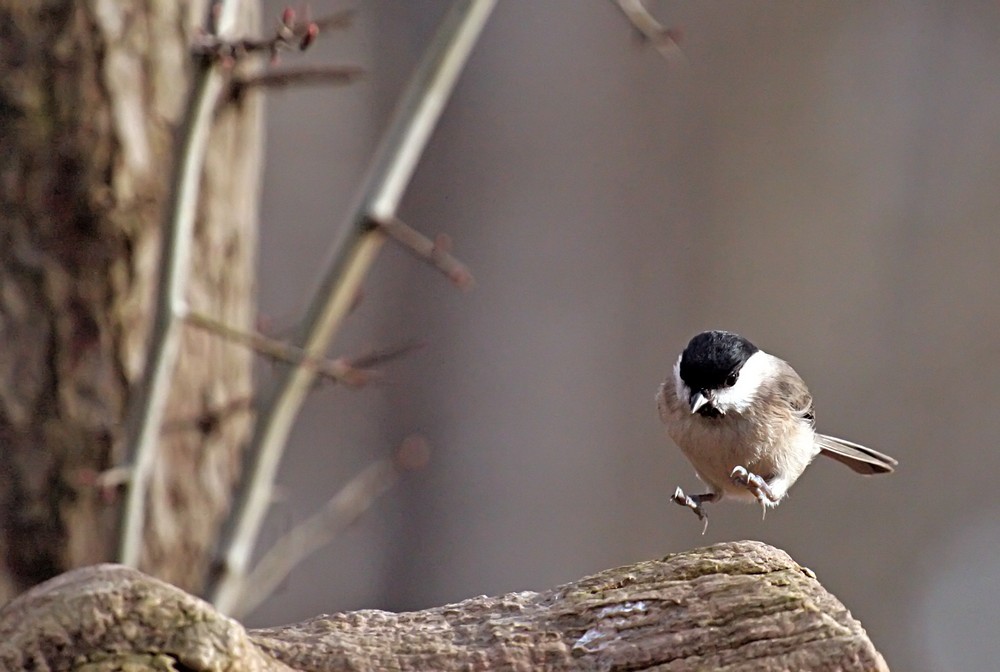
(694,502)
(757,486)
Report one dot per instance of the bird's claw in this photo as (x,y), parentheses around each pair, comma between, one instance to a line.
(757,486)
(693,503)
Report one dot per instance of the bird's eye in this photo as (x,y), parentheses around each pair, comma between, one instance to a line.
(732,378)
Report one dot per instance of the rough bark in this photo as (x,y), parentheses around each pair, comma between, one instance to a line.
(734,606)
(90,92)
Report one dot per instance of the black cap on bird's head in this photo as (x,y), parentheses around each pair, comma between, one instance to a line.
(712,360)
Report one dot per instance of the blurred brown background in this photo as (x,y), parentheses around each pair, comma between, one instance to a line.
(821,177)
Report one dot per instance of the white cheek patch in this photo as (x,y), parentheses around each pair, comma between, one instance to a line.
(741,396)
(680,387)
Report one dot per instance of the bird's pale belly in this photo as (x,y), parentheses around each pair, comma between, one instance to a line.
(716,446)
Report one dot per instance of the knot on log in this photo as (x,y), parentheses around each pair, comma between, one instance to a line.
(731,606)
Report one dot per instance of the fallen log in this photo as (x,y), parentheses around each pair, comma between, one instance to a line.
(732,606)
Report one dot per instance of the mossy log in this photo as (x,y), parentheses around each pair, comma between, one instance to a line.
(733,606)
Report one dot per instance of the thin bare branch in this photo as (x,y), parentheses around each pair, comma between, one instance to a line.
(112,478)
(317,531)
(436,252)
(403,144)
(380,356)
(353,371)
(664,40)
(291,33)
(337,370)
(298,76)
(145,416)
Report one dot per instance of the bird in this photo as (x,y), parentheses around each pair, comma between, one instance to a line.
(745,421)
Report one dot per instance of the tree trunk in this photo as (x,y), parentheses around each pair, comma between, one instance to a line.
(734,606)
(90,93)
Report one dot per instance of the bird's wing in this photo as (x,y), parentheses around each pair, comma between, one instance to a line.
(860,458)
(792,390)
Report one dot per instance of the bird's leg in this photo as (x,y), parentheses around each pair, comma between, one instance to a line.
(757,486)
(694,502)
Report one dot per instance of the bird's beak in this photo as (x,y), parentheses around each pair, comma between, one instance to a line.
(698,399)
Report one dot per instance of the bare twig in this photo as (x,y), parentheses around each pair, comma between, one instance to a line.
(317,531)
(337,370)
(394,163)
(305,74)
(380,356)
(664,40)
(145,416)
(292,33)
(436,252)
(107,483)
(350,371)
(112,478)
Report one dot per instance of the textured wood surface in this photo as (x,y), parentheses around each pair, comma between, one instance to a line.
(734,606)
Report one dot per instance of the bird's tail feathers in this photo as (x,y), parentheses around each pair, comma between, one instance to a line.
(860,458)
